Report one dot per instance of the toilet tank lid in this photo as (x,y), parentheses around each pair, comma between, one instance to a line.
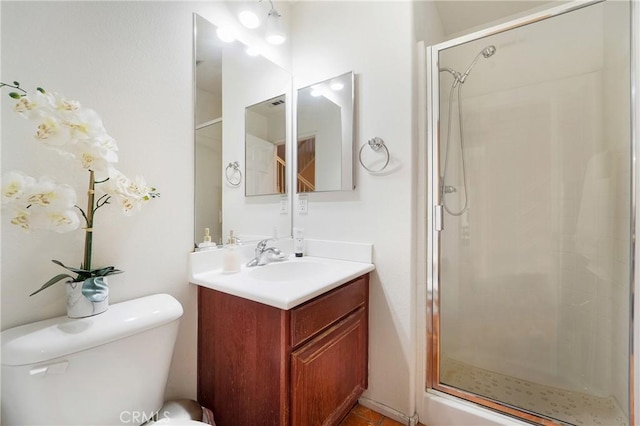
(49,339)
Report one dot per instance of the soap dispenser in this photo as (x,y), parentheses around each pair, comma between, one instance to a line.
(206,244)
(231,255)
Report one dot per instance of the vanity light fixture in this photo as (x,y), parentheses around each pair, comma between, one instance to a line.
(249,18)
(275,33)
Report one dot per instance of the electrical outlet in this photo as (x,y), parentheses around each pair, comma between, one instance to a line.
(303,207)
(284,206)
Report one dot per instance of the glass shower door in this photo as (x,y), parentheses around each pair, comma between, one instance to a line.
(534,172)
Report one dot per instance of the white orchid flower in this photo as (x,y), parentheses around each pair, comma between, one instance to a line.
(20,217)
(40,204)
(48,195)
(59,221)
(52,132)
(95,154)
(33,105)
(83,123)
(58,102)
(77,134)
(14,186)
(131,194)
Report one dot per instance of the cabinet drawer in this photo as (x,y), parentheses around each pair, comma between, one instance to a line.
(317,314)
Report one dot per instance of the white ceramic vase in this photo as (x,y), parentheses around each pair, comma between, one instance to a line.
(80,306)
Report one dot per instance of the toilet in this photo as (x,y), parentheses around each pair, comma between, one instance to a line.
(109,369)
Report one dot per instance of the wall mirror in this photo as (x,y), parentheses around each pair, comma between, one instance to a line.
(226,82)
(208,131)
(324,148)
(265,148)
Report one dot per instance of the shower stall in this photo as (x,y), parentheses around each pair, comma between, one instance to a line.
(531,215)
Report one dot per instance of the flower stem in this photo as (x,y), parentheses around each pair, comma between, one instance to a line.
(88,238)
(17,87)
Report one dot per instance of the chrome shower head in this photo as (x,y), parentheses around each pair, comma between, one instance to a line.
(487,52)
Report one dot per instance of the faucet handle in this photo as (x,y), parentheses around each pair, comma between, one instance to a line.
(263,244)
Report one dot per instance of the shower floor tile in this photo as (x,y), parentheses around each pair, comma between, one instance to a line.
(567,406)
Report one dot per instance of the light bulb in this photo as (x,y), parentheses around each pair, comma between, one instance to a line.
(275,33)
(316,92)
(336,85)
(276,39)
(249,19)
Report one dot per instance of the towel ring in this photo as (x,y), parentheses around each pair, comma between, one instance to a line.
(375,143)
(235,167)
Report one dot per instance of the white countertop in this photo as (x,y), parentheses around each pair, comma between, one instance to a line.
(325,274)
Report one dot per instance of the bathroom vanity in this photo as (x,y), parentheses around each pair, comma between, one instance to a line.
(260,364)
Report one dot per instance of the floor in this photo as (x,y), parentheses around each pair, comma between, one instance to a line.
(363,416)
(567,406)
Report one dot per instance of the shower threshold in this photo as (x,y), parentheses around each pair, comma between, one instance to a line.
(564,405)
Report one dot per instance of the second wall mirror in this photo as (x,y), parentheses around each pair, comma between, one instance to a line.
(324,149)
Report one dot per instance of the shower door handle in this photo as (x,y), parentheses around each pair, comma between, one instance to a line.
(438,217)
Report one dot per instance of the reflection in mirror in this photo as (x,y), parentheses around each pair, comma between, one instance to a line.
(265,166)
(227,80)
(208,134)
(209,197)
(324,151)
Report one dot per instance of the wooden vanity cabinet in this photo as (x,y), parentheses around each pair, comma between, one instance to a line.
(260,365)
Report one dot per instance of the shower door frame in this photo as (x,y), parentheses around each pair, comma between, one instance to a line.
(434,212)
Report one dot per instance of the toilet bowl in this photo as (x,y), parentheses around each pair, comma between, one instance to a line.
(108,369)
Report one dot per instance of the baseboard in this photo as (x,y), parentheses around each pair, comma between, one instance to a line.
(389,412)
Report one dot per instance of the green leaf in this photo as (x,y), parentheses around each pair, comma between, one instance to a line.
(76,270)
(15,95)
(103,272)
(41,90)
(84,274)
(51,282)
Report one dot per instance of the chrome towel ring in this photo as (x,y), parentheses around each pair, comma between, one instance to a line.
(376,144)
(234,168)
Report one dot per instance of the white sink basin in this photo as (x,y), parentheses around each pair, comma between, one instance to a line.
(287,271)
(283,284)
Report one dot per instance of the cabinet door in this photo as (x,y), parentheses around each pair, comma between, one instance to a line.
(243,357)
(328,373)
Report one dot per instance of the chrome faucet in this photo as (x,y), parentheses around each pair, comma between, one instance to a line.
(266,254)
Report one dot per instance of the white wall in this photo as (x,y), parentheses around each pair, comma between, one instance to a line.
(132,63)
(361,38)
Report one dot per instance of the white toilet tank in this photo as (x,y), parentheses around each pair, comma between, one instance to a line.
(109,369)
